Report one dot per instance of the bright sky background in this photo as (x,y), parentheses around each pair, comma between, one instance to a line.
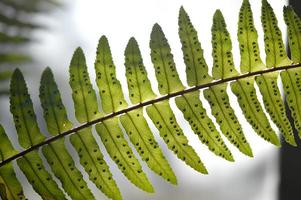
(82,23)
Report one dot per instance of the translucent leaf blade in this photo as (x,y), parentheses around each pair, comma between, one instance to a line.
(274,47)
(54,110)
(223,65)
(196,66)
(225,116)
(201,124)
(248,41)
(22,110)
(111,94)
(292,90)
(94,164)
(119,150)
(139,86)
(246,96)
(274,106)
(83,94)
(139,133)
(165,121)
(32,166)
(293,23)
(64,168)
(165,68)
(11,187)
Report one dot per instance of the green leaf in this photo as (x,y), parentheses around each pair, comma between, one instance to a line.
(112,99)
(292,89)
(119,150)
(202,125)
(291,78)
(223,65)
(247,98)
(247,36)
(11,21)
(86,109)
(165,121)
(83,94)
(163,62)
(10,186)
(139,85)
(64,168)
(226,118)
(56,154)
(274,47)
(293,23)
(32,166)
(54,110)
(139,133)
(22,109)
(94,164)
(196,66)
(272,100)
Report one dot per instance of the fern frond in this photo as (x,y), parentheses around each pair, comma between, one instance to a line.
(117,112)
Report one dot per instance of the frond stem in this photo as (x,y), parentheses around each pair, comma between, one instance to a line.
(143,104)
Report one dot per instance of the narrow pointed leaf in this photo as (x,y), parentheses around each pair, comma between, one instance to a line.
(139,132)
(54,110)
(56,154)
(83,94)
(274,47)
(22,109)
(202,125)
(196,66)
(117,147)
(291,78)
(138,83)
(250,60)
(274,106)
(94,164)
(112,99)
(226,118)
(223,65)
(32,166)
(293,23)
(252,110)
(86,109)
(11,187)
(165,68)
(165,121)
